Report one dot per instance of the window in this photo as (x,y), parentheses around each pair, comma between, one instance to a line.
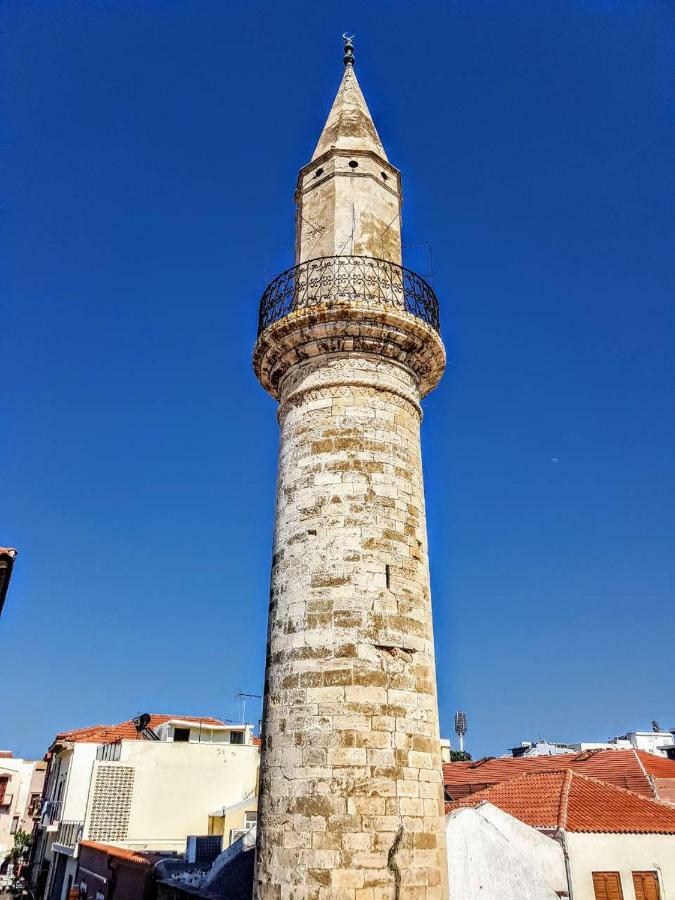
(34,805)
(250,818)
(646,886)
(3,788)
(181,734)
(236,737)
(15,825)
(607,886)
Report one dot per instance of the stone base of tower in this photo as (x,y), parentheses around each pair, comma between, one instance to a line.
(351,796)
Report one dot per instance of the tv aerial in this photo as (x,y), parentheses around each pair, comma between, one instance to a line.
(242,697)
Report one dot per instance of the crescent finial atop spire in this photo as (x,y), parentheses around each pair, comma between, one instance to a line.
(348,58)
(349,125)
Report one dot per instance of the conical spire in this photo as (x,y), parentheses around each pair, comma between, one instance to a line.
(349,125)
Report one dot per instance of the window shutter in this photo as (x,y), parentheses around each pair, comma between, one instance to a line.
(607,886)
(646,886)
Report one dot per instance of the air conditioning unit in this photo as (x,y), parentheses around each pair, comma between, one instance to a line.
(237,833)
(203,849)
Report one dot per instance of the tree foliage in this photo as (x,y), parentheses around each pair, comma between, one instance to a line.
(460,756)
(22,842)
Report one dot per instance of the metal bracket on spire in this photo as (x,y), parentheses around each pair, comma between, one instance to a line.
(348,58)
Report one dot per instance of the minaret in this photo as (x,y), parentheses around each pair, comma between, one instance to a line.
(351,795)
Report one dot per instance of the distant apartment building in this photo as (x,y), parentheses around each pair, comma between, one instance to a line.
(142,785)
(654,741)
(539,748)
(21,784)
(657,741)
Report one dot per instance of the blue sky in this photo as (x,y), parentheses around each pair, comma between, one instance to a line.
(149,152)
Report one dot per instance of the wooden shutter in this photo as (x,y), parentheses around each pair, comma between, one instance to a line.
(646,886)
(607,886)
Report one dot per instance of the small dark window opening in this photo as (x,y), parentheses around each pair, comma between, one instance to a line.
(387,575)
(181,734)
(353,164)
(384,175)
(236,737)
(318,172)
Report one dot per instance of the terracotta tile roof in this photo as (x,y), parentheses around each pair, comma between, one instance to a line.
(623,768)
(656,765)
(132,856)
(565,799)
(97,734)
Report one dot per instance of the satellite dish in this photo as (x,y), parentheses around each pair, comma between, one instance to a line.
(141,722)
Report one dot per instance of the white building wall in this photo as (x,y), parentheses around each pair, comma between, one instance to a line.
(20,774)
(484,863)
(204,734)
(651,741)
(623,853)
(176,786)
(80,761)
(541,852)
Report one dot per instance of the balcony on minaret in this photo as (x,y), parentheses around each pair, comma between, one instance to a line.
(359,281)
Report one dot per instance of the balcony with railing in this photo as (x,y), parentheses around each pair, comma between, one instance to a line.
(6,801)
(51,813)
(336,280)
(111,752)
(69,835)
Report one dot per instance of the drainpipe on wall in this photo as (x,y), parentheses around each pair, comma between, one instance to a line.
(562,839)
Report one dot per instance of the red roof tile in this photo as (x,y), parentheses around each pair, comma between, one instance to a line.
(623,768)
(657,765)
(142,859)
(97,734)
(565,799)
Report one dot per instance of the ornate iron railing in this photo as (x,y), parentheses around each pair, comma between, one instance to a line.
(343,279)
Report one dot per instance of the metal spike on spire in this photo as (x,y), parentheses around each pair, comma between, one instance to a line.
(348,58)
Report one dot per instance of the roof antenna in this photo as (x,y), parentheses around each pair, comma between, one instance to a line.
(242,697)
(348,58)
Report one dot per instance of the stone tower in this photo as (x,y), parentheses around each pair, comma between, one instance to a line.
(351,796)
